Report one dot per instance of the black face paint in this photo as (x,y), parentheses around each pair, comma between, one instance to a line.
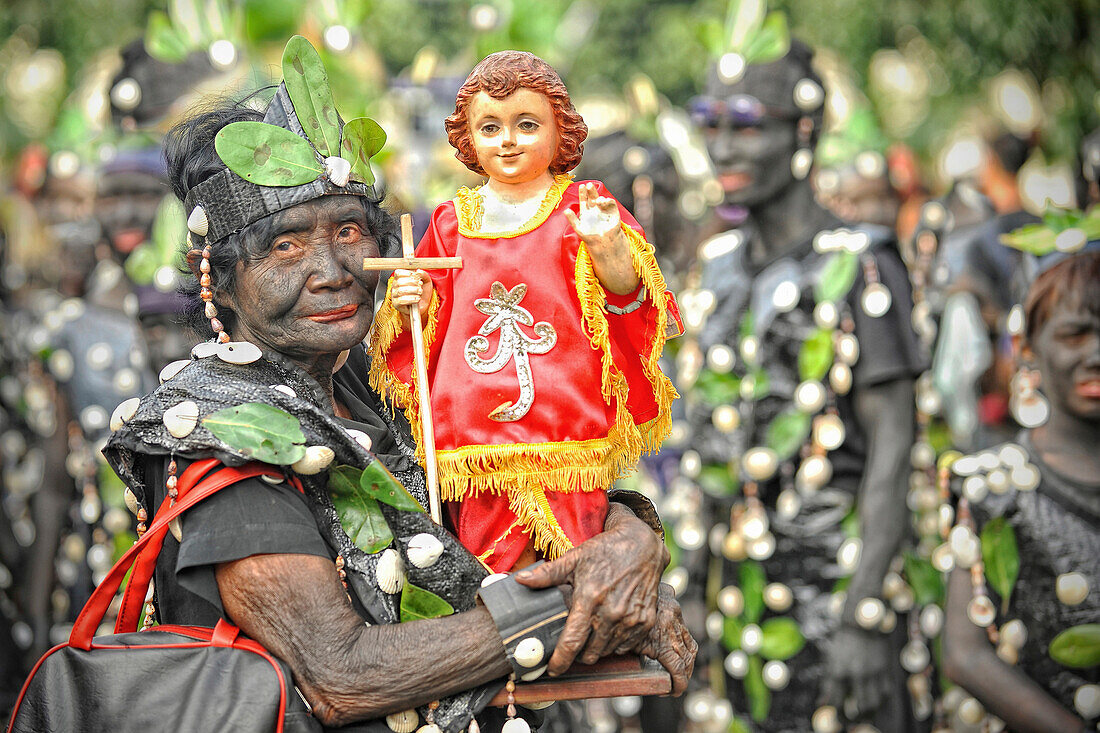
(1067,350)
(302,291)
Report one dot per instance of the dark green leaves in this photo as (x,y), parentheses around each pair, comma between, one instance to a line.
(731,632)
(378,484)
(1001,558)
(926,581)
(815,356)
(782,638)
(787,432)
(836,277)
(360,515)
(363,137)
(752,588)
(760,697)
(1077,647)
(259,431)
(267,155)
(417,604)
(307,84)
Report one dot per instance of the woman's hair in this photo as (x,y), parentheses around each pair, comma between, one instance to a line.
(191,157)
(1075,281)
(499,75)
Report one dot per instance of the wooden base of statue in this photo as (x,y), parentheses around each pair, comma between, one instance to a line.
(610,677)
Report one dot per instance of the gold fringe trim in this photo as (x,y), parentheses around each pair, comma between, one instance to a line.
(532,508)
(470,209)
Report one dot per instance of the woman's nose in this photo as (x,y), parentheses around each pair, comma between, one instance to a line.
(328,270)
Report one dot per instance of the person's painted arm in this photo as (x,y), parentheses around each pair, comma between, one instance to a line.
(296,607)
(970,660)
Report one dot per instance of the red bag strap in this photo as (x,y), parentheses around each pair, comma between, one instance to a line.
(143,555)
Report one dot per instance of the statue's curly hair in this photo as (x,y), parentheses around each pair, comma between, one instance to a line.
(499,75)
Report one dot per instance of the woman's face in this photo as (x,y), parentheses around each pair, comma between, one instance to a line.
(753,163)
(307,294)
(1067,352)
(515,138)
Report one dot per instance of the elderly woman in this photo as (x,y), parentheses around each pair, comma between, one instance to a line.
(322,576)
(1045,520)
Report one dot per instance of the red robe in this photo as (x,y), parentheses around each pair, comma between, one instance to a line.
(594,397)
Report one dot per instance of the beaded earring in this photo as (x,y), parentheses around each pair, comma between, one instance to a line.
(199,226)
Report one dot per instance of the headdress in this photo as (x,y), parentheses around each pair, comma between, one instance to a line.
(302,150)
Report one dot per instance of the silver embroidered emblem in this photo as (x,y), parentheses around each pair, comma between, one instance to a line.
(505,313)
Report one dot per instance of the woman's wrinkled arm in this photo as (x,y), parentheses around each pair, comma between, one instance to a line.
(969,660)
(296,607)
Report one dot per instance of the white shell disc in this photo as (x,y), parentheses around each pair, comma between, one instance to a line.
(198,222)
(204,349)
(361,438)
(515,725)
(172,369)
(181,419)
(125,410)
(490,579)
(284,389)
(529,652)
(238,352)
(316,459)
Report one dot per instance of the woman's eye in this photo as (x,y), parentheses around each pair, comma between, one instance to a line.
(283,246)
(348,232)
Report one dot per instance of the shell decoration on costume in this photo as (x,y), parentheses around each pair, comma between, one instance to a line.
(180,420)
(424,550)
(390,572)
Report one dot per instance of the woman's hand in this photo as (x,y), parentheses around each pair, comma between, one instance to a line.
(411,287)
(600,227)
(614,578)
(669,641)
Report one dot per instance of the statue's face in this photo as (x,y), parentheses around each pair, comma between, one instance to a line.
(515,138)
(1067,352)
(307,294)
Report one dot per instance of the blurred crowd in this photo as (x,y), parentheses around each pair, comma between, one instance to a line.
(872,407)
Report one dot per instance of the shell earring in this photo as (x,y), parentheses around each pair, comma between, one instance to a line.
(199,226)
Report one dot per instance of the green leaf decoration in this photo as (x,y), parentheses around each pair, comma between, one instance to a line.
(717,388)
(360,515)
(261,432)
(836,277)
(771,42)
(924,579)
(752,585)
(307,84)
(379,484)
(787,432)
(363,137)
(1001,558)
(162,42)
(169,231)
(417,604)
(717,480)
(1077,647)
(815,356)
(782,638)
(267,155)
(190,20)
(731,632)
(1038,239)
(760,697)
(743,19)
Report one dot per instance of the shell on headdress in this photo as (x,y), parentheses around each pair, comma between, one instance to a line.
(238,352)
(338,170)
(181,419)
(424,550)
(172,369)
(390,572)
(125,410)
(529,652)
(316,459)
(198,222)
(403,722)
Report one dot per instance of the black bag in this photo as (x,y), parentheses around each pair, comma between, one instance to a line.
(168,678)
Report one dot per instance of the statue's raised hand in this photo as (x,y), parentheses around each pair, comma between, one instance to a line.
(600,227)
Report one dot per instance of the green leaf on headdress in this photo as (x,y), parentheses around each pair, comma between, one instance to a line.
(169,231)
(771,42)
(363,137)
(417,604)
(162,42)
(189,20)
(379,484)
(307,84)
(360,515)
(267,155)
(260,431)
(743,20)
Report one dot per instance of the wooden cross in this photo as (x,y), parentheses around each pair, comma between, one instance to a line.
(420,359)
